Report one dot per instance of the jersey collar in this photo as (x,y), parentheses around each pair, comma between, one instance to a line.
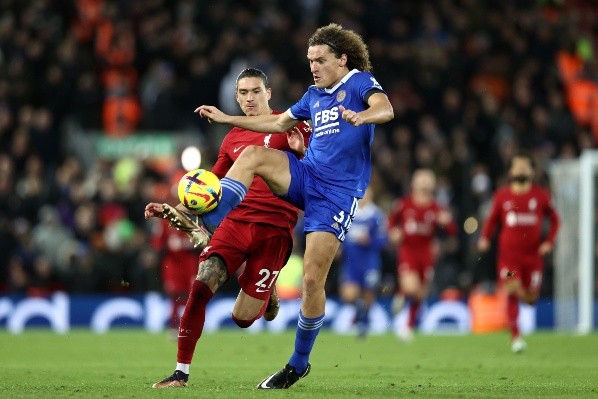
(343,80)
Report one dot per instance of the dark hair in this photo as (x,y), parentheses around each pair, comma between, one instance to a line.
(522,154)
(253,73)
(343,41)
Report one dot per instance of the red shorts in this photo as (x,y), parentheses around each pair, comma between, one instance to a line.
(264,248)
(528,271)
(422,265)
(178,272)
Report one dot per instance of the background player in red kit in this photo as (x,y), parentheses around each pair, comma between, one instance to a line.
(518,210)
(413,225)
(179,267)
(258,231)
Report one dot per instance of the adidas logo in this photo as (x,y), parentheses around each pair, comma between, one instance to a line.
(317,104)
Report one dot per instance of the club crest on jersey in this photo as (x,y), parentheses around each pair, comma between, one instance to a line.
(533,203)
(375,83)
(267,141)
(340,96)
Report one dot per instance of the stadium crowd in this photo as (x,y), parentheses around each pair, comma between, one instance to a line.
(470,82)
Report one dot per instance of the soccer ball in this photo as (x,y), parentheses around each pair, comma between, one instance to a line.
(200,191)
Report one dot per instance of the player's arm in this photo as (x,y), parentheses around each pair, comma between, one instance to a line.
(395,233)
(489,226)
(223,162)
(444,220)
(379,111)
(274,123)
(555,223)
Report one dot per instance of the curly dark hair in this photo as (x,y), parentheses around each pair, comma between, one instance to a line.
(343,41)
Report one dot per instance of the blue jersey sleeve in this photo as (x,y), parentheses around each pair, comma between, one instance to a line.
(368,85)
(301,109)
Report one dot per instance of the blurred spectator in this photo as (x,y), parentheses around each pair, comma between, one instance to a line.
(470,81)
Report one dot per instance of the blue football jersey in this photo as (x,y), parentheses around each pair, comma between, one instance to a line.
(338,153)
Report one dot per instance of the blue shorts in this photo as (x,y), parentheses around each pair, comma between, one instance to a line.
(325,209)
(367,276)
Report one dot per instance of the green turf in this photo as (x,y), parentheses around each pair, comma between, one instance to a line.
(123,364)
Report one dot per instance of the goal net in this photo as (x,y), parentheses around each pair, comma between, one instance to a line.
(574,194)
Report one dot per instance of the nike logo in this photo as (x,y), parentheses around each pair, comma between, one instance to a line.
(264,384)
(238,148)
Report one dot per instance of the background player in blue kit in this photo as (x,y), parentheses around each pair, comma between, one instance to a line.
(344,104)
(361,261)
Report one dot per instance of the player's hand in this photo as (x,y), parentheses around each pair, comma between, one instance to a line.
(444,217)
(545,248)
(351,116)
(483,244)
(153,210)
(212,114)
(395,235)
(296,142)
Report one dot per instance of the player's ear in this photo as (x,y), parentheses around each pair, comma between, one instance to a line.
(343,60)
(269,91)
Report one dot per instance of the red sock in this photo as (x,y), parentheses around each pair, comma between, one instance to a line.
(413,311)
(193,320)
(512,313)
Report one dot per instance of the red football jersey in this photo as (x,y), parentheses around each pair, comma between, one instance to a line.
(520,217)
(259,205)
(419,224)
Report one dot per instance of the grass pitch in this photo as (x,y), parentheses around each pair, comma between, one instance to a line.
(124,364)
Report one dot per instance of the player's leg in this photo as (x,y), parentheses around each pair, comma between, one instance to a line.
(510,278)
(271,165)
(211,275)
(328,216)
(530,282)
(319,253)
(320,249)
(412,288)
(269,249)
(350,289)
(370,283)
(217,263)
(350,292)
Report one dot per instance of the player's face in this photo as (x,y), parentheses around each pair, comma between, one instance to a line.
(521,167)
(326,69)
(253,96)
(424,183)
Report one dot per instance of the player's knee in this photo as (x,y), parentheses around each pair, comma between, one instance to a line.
(243,323)
(250,156)
(311,284)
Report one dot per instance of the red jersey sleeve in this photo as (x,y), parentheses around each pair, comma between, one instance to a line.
(305,130)
(394,218)
(224,162)
(493,217)
(451,227)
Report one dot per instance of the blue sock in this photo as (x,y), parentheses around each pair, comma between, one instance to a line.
(233,193)
(307,331)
